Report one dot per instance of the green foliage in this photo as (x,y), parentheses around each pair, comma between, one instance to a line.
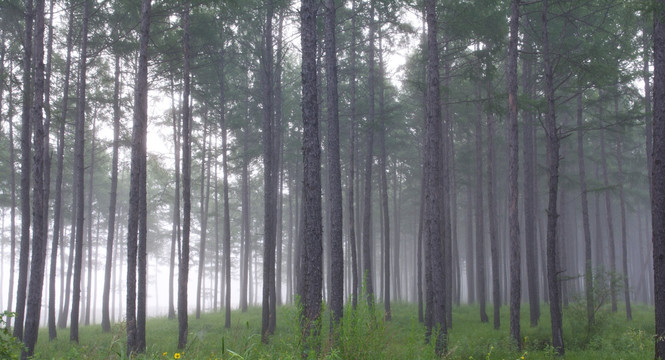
(10,347)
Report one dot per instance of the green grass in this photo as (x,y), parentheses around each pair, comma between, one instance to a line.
(364,335)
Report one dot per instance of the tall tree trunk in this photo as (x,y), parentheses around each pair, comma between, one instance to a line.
(530,219)
(175,232)
(12,211)
(608,214)
(183,267)
(89,236)
(57,214)
(352,160)
(383,168)
(658,179)
(225,179)
(367,206)
(311,260)
(470,268)
(334,167)
(553,185)
(37,261)
(136,226)
(203,200)
(25,174)
(432,177)
(513,186)
(493,220)
(106,322)
(624,240)
(279,166)
(480,217)
(588,274)
(79,153)
(270,183)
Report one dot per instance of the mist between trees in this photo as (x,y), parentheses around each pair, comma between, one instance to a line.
(272,148)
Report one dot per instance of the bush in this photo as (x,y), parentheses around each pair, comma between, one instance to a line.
(10,347)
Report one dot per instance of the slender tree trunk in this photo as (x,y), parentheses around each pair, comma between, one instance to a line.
(432,177)
(588,274)
(624,240)
(183,270)
(106,323)
(530,219)
(553,185)
(334,167)
(227,218)
(352,161)
(608,214)
(513,186)
(25,174)
(270,183)
(367,206)
(39,187)
(493,220)
(79,153)
(384,187)
(203,200)
(480,217)
(311,261)
(89,236)
(12,211)
(419,250)
(470,273)
(175,232)
(57,214)
(136,227)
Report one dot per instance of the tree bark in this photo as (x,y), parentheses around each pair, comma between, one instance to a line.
(367,206)
(553,185)
(57,214)
(39,188)
(25,174)
(203,200)
(493,220)
(183,267)
(435,274)
(513,186)
(658,179)
(89,264)
(79,153)
(270,181)
(622,203)
(588,274)
(608,214)
(136,226)
(311,260)
(352,160)
(480,217)
(175,232)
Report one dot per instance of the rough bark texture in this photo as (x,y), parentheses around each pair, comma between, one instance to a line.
(658,179)
(183,265)
(311,259)
(553,185)
(79,145)
(37,261)
(432,177)
(334,167)
(513,186)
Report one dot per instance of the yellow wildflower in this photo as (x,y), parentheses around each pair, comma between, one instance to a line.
(176,356)
(164,353)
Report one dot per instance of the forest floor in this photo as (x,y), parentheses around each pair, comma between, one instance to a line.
(365,335)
